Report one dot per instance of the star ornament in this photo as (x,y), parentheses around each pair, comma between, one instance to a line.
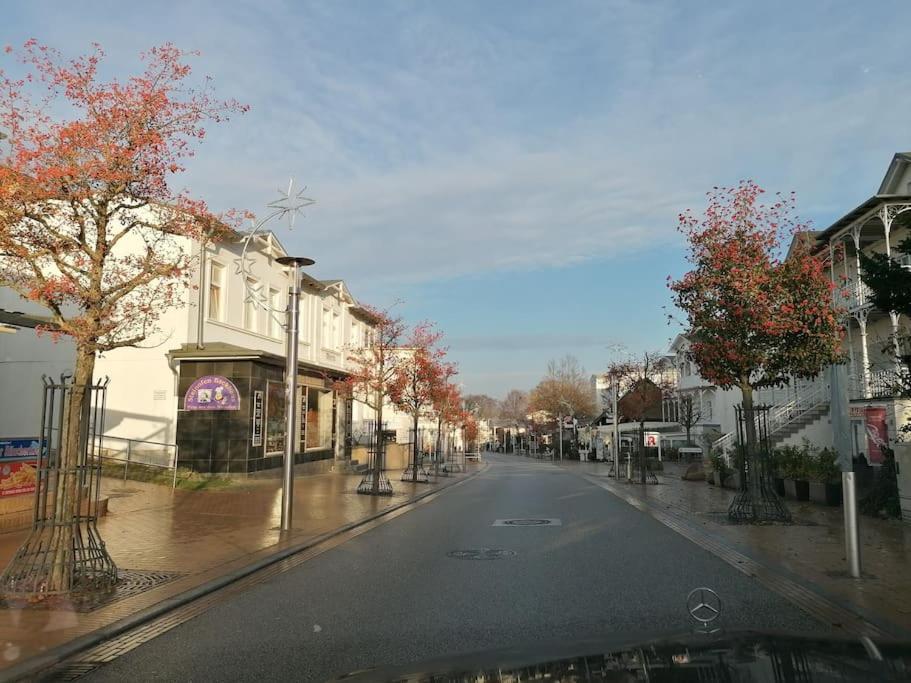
(290,203)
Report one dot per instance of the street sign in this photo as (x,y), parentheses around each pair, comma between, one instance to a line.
(257,439)
(568,422)
(651,439)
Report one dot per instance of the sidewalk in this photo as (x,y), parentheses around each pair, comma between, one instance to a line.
(811,548)
(193,537)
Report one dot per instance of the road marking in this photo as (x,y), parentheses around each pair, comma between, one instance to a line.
(97,656)
(808,600)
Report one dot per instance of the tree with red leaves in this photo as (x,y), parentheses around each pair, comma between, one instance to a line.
(447,404)
(755,319)
(89,225)
(372,371)
(417,378)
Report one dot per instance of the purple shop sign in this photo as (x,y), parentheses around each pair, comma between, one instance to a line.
(212,392)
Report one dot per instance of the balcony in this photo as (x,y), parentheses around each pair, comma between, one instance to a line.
(883,384)
(853,295)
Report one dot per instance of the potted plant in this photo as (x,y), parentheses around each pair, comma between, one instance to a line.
(732,475)
(719,469)
(825,478)
(795,473)
(776,461)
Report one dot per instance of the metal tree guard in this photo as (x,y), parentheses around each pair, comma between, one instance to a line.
(64,541)
(376,462)
(635,464)
(417,460)
(757,500)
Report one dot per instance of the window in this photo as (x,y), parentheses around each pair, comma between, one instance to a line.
(251,310)
(330,329)
(216,291)
(336,330)
(319,419)
(275,315)
(275,417)
(354,337)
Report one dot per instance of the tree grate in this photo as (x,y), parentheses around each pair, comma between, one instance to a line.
(130,582)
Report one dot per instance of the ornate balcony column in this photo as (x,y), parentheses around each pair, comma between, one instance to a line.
(861,316)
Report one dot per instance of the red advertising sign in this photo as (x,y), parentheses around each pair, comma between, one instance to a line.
(877,433)
(17,477)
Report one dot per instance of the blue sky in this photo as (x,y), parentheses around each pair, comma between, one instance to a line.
(513,170)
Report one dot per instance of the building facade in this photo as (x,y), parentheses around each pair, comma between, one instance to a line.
(161,394)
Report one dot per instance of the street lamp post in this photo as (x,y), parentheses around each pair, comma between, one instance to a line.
(292,336)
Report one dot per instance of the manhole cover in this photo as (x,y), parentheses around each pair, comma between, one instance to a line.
(538,521)
(481,554)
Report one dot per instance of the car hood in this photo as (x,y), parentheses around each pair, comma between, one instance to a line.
(741,656)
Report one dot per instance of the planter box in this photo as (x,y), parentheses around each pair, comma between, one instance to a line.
(825,493)
(778,485)
(903,465)
(797,489)
(733,481)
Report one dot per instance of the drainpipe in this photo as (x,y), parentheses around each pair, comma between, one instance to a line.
(201,299)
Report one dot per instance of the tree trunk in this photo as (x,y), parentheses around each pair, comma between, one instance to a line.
(380,447)
(749,415)
(416,457)
(749,453)
(439,454)
(67,503)
(688,428)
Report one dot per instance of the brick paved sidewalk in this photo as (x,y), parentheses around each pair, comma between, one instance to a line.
(198,535)
(812,548)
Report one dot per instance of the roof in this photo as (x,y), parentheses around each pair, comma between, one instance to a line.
(896,170)
(17,319)
(232,351)
(808,237)
(860,210)
(364,314)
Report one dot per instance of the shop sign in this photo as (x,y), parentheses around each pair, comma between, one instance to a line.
(19,448)
(650,439)
(257,439)
(857,412)
(877,434)
(212,392)
(17,477)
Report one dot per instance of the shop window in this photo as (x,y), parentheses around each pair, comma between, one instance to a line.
(275,417)
(319,419)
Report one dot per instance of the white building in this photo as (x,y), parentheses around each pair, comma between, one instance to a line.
(713,407)
(219,331)
(801,410)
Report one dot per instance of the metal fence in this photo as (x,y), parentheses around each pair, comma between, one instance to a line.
(120,450)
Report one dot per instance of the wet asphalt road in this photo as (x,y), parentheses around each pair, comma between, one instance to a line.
(393,595)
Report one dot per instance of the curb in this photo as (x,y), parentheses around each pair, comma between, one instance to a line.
(60,653)
(797,589)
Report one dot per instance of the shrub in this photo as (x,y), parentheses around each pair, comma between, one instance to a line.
(824,466)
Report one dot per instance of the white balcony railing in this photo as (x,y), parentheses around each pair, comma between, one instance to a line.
(852,295)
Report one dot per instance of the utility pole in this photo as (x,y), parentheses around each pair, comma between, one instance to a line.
(292,340)
(616,431)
